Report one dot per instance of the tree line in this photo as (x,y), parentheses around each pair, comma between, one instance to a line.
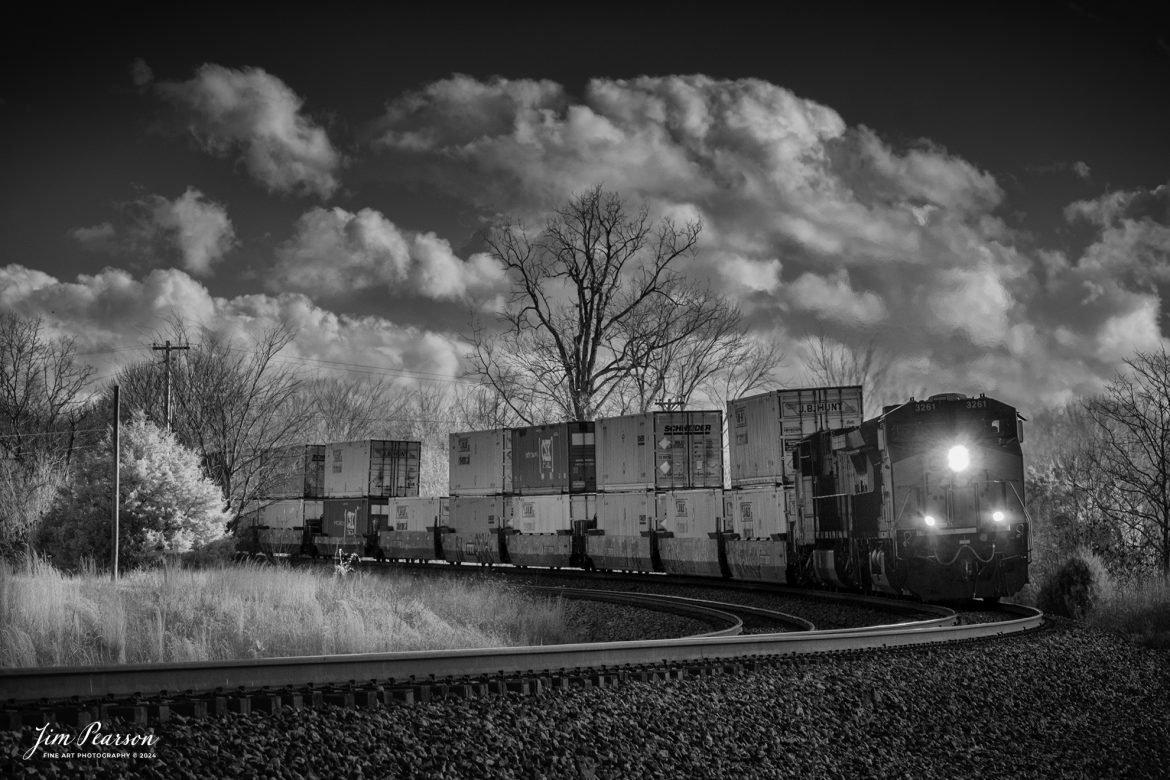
(603,317)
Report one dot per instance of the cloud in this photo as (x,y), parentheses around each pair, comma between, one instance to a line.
(1133,244)
(834,299)
(1079,168)
(812,224)
(140,73)
(113,310)
(190,229)
(254,115)
(334,252)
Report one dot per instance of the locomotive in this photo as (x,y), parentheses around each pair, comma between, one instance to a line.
(925,500)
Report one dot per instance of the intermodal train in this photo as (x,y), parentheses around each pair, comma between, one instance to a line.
(924,500)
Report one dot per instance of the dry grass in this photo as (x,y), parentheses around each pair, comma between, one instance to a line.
(1139,609)
(253,611)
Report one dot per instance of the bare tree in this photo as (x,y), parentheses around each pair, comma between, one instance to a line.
(576,288)
(41,389)
(233,405)
(833,363)
(698,340)
(1131,460)
(347,409)
(45,417)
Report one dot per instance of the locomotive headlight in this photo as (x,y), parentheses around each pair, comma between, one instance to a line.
(929,520)
(998,516)
(958,458)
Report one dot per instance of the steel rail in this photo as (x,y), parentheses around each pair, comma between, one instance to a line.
(721,607)
(149,679)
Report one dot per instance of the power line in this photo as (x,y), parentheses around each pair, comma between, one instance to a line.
(51,433)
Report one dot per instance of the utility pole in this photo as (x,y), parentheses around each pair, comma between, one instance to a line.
(672,405)
(167,349)
(117,477)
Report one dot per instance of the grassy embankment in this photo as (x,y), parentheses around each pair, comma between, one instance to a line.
(51,619)
(1081,587)
(1139,609)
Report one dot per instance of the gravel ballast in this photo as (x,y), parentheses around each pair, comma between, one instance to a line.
(1070,702)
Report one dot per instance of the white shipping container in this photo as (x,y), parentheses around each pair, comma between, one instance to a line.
(289,513)
(475,515)
(285,513)
(551,514)
(756,512)
(371,468)
(417,513)
(693,514)
(480,463)
(764,428)
(660,451)
(626,514)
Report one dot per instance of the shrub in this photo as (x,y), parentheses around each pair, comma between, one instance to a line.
(167,505)
(1076,586)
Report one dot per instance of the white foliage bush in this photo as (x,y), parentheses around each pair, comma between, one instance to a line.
(167,505)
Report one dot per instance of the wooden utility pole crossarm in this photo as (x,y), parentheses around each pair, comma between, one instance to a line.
(167,349)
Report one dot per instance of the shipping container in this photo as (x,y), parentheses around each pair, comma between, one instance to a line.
(372,468)
(417,513)
(480,463)
(474,528)
(283,513)
(558,458)
(692,514)
(765,428)
(479,514)
(757,512)
(551,514)
(763,560)
(296,471)
(353,517)
(627,514)
(660,451)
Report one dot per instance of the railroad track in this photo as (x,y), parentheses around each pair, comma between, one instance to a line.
(77,695)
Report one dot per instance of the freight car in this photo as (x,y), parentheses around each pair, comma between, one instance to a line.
(926,499)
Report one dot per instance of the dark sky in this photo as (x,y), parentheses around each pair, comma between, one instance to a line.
(993,120)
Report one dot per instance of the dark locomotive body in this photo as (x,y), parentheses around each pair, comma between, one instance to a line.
(925,500)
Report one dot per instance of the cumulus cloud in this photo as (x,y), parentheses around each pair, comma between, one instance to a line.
(335,252)
(819,225)
(140,73)
(190,230)
(113,310)
(834,299)
(254,115)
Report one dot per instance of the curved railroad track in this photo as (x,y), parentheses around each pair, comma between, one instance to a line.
(76,695)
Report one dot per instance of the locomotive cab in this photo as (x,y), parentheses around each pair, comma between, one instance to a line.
(926,500)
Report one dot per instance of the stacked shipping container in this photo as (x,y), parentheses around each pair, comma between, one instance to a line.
(360,479)
(296,471)
(661,477)
(660,451)
(764,430)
